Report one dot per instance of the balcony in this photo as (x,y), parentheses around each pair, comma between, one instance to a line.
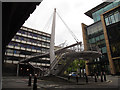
(15,62)
(13,39)
(17,55)
(39,45)
(8,61)
(24,35)
(29,36)
(22,48)
(38,51)
(22,55)
(39,39)
(29,30)
(34,37)
(28,42)
(35,31)
(34,44)
(17,40)
(33,50)
(28,49)
(9,46)
(16,47)
(9,54)
(23,41)
(18,33)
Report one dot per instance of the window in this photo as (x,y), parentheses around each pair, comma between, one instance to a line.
(97,38)
(16,44)
(23,32)
(104,50)
(38,48)
(11,44)
(92,40)
(9,51)
(106,21)
(112,19)
(22,38)
(101,36)
(15,51)
(116,14)
(19,31)
(35,35)
(48,38)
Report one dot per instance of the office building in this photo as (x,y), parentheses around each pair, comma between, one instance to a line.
(26,43)
(104,33)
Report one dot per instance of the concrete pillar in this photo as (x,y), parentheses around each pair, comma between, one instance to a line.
(52,54)
(17,69)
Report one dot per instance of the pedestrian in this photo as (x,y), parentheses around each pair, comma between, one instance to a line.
(29,82)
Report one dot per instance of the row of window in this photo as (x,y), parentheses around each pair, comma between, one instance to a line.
(18,52)
(34,35)
(27,46)
(96,15)
(94,28)
(112,18)
(31,40)
(96,39)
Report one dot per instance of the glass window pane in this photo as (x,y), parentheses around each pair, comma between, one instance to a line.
(116,14)
(112,19)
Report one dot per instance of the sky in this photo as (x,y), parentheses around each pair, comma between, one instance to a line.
(72,12)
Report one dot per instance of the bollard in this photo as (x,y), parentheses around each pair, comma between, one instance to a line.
(97,74)
(101,77)
(95,78)
(35,82)
(68,77)
(104,76)
(76,78)
(86,78)
(29,82)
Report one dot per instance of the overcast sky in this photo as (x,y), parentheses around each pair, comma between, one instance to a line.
(71,11)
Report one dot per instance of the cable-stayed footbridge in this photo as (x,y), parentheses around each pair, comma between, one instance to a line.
(61,58)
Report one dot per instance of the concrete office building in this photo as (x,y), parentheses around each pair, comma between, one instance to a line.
(105,34)
(26,43)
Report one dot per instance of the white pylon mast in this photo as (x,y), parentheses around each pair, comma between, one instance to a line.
(52,41)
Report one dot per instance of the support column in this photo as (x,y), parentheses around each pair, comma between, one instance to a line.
(52,53)
(85,45)
(112,67)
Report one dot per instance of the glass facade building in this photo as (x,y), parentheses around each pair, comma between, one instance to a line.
(26,43)
(94,35)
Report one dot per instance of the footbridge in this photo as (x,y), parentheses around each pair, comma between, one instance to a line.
(63,58)
(60,59)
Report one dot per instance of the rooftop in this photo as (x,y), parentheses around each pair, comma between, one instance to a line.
(98,7)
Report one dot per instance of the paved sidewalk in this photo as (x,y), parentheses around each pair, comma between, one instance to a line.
(51,83)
